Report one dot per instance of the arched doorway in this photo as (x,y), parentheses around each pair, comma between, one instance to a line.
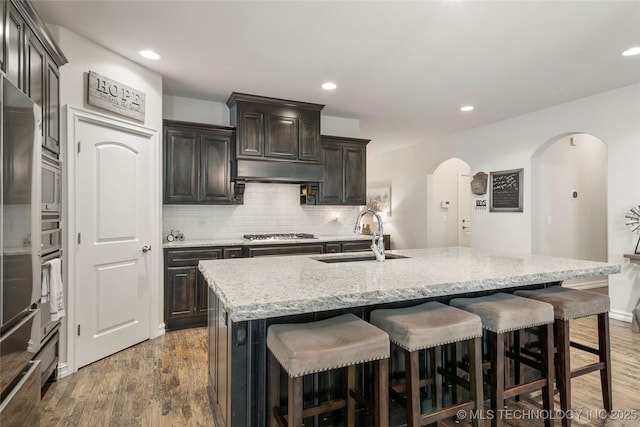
(569,200)
(449,204)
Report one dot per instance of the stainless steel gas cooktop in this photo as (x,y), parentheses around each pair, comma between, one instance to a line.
(279,236)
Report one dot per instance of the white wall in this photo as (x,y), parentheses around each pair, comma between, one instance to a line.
(613,117)
(194,110)
(442,223)
(85,56)
(564,225)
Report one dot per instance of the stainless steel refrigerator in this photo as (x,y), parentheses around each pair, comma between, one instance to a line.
(20,330)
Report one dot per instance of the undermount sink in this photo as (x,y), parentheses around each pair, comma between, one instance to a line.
(370,257)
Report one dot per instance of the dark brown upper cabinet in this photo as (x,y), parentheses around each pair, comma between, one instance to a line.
(345,171)
(197,164)
(279,129)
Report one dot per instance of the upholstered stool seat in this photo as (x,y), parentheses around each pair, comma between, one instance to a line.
(504,313)
(306,348)
(569,304)
(431,325)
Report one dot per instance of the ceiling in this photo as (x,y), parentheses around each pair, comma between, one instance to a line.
(403,69)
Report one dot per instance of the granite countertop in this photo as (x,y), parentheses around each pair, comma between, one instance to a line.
(258,288)
(243,242)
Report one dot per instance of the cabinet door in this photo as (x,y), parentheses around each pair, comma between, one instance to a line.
(355,176)
(14,58)
(281,139)
(250,133)
(182,163)
(51,113)
(179,293)
(330,190)
(309,146)
(202,295)
(214,173)
(35,69)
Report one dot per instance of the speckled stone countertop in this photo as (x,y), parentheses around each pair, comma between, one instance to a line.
(258,288)
(242,242)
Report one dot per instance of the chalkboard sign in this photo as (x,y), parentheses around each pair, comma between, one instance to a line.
(506,191)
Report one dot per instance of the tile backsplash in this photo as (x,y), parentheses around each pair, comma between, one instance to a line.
(267,208)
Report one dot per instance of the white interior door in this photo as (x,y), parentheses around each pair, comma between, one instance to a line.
(113,211)
(464,210)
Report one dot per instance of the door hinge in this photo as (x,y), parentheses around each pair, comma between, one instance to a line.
(78,330)
(78,146)
(79,238)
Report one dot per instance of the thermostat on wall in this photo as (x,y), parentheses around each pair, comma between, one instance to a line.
(444,204)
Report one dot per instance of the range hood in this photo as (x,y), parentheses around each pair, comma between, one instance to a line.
(277,140)
(275,171)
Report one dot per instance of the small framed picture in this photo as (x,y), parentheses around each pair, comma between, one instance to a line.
(379,199)
(506,191)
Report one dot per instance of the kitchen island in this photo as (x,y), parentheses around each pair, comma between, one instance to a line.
(248,295)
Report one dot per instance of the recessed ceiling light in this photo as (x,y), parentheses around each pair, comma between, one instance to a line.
(633,51)
(466,108)
(329,86)
(149,54)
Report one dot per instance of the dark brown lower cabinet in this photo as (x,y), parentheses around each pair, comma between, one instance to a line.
(185,292)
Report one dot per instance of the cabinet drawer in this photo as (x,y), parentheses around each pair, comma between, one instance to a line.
(360,245)
(21,407)
(286,250)
(232,253)
(48,357)
(333,248)
(190,257)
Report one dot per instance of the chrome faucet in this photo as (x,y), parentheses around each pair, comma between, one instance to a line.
(377,242)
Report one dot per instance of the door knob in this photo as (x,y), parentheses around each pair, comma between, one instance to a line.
(145,249)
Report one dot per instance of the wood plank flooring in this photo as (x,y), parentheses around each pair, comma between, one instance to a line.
(162,382)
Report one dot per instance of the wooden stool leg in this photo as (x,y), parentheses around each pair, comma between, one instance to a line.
(546,336)
(604,350)
(475,376)
(496,344)
(518,340)
(563,376)
(412,374)
(381,392)
(274,389)
(437,379)
(294,409)
(456,391)
(351,403)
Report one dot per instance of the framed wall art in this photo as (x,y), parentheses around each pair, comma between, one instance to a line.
(506,190)
(379,199)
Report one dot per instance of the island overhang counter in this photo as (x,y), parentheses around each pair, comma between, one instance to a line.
(246,295)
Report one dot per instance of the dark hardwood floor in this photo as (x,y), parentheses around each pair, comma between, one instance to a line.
(162,382)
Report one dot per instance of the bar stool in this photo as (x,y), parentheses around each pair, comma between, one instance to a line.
(570,304)
(502,314)
(307,348)
(426,326)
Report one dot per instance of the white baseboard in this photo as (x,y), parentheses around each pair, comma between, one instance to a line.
(621,315)
(592,284)
(62,370)
(161,330)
